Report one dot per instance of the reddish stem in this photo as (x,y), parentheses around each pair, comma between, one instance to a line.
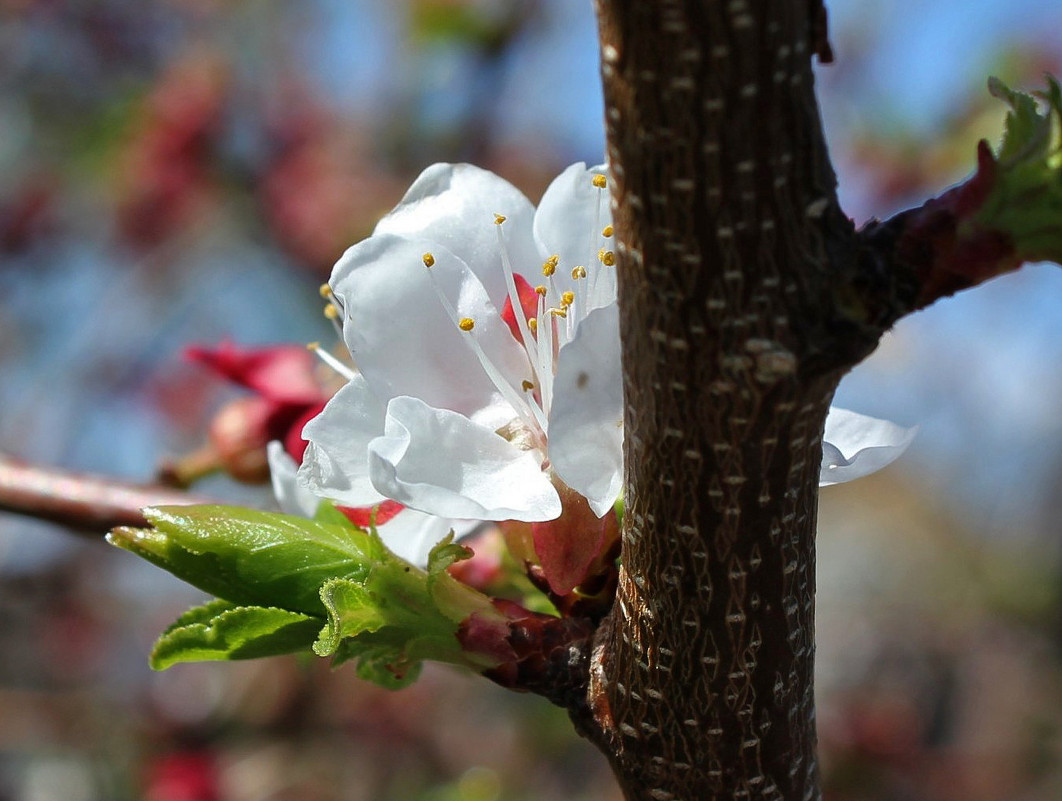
(87,504)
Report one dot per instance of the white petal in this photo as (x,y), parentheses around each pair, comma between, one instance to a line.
(855,445)
(294,499)
(412,534)
(454,205)
(402,338)
(335,464)
(441,462)
(586,419)
(569,220)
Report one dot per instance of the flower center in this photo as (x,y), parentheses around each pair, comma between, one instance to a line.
(558,311)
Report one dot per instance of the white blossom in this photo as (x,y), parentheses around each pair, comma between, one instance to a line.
(457,413)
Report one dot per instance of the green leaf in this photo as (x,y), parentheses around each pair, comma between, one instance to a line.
(290,584)
(351,609)
(1027,132)
(222,631)
(251,557)
(400,615)
(1025,201)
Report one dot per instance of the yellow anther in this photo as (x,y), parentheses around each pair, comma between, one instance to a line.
(579,272)
(499,219)
(567,298)
(599,181)
(466,324)
(607,257)
(607,231)
(562,312)
(549,266)
(541,290)
(313,346)
(429,260)
(326,291)
(331,312)
(526,385)
(532,323)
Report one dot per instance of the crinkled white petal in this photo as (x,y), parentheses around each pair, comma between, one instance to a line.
(568,223)
(586,419)
(335,464)
(442,463)
(454,205)
(402,338)
(294,499)
(855,445)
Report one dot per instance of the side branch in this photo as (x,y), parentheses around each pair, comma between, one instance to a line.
(1008,213)
(89,505)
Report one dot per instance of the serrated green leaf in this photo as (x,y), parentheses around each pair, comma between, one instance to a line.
(202,614)
(351,610)
(1027,131)
(1025,201)
(381,665)
(445,553)
(290,584)
(251,557)
(400,615)
(221,631)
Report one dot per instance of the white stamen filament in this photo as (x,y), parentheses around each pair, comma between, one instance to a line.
(536,419)
(545,354)
(331,361)
(591,289)
(514,296)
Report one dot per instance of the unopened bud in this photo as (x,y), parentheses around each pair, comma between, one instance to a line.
(239,433)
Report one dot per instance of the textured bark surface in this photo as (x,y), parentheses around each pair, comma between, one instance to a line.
(731,250)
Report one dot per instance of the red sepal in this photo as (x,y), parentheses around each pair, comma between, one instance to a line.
(283,373)
(362,516)
(528,301)
(568,546)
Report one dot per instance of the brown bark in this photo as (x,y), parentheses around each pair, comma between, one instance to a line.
(745,293)
(730,251)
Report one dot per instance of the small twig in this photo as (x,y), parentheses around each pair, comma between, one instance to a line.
(90,505)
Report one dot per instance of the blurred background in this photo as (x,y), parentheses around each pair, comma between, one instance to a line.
(186,171)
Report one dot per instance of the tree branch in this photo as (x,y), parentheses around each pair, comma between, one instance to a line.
(89,505)
(730,244)
(1007,213)
(745,293)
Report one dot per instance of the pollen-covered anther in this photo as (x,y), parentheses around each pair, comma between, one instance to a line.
(532,323)
(429,260)
(607,231)
(567,299)
(579,272)
(499,219)
(561,312)
(606,257)
(326,291)
(526,385)
(331,312)
(599,181)
(313,346)
(541,290)
(549,266)
(466,324)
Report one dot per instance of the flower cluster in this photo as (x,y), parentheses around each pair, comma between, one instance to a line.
(487,384)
